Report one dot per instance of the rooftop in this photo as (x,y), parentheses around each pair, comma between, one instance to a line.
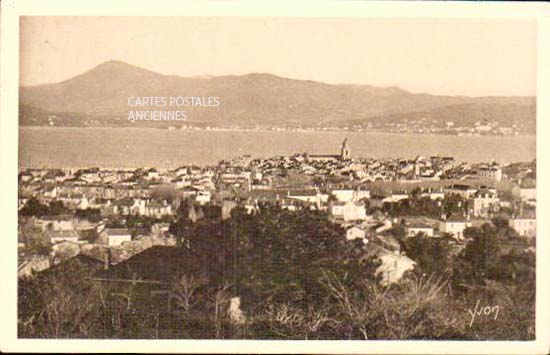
(62,234)
(419,225)
(461,187)
(80,261)
(117,231)
(157,264)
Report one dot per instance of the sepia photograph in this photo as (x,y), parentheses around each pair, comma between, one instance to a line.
(277,178)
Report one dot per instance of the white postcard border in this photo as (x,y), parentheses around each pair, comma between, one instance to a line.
(11,10)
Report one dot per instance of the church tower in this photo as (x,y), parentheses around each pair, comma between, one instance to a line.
(344,151)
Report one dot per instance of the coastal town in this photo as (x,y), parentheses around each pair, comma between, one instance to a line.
(289,178)
(123,212)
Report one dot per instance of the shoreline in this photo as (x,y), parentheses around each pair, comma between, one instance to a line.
(267,130)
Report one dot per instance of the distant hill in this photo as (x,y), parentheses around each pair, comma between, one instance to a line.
(521,115)
(100,96)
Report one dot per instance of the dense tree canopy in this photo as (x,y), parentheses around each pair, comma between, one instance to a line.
(35,208)
(418,205)
(432,255)
(278,255)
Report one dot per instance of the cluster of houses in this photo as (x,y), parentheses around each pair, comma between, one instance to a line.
(70,236)
(114,189)
(251,183)
(263,174)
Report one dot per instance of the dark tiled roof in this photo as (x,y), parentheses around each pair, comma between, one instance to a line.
(62,234)
(311,192)
(460,187)
(157,264)
(90,264)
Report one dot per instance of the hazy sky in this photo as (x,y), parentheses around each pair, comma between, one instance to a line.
(473,57)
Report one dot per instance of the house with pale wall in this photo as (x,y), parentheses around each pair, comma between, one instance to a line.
(348,211)
(414,229)
(114,236)
(393,266)
(454,226)
(524,226)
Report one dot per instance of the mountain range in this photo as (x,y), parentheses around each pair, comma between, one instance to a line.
(100,97)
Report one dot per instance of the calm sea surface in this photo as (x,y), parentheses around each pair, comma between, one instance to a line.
(144,147)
